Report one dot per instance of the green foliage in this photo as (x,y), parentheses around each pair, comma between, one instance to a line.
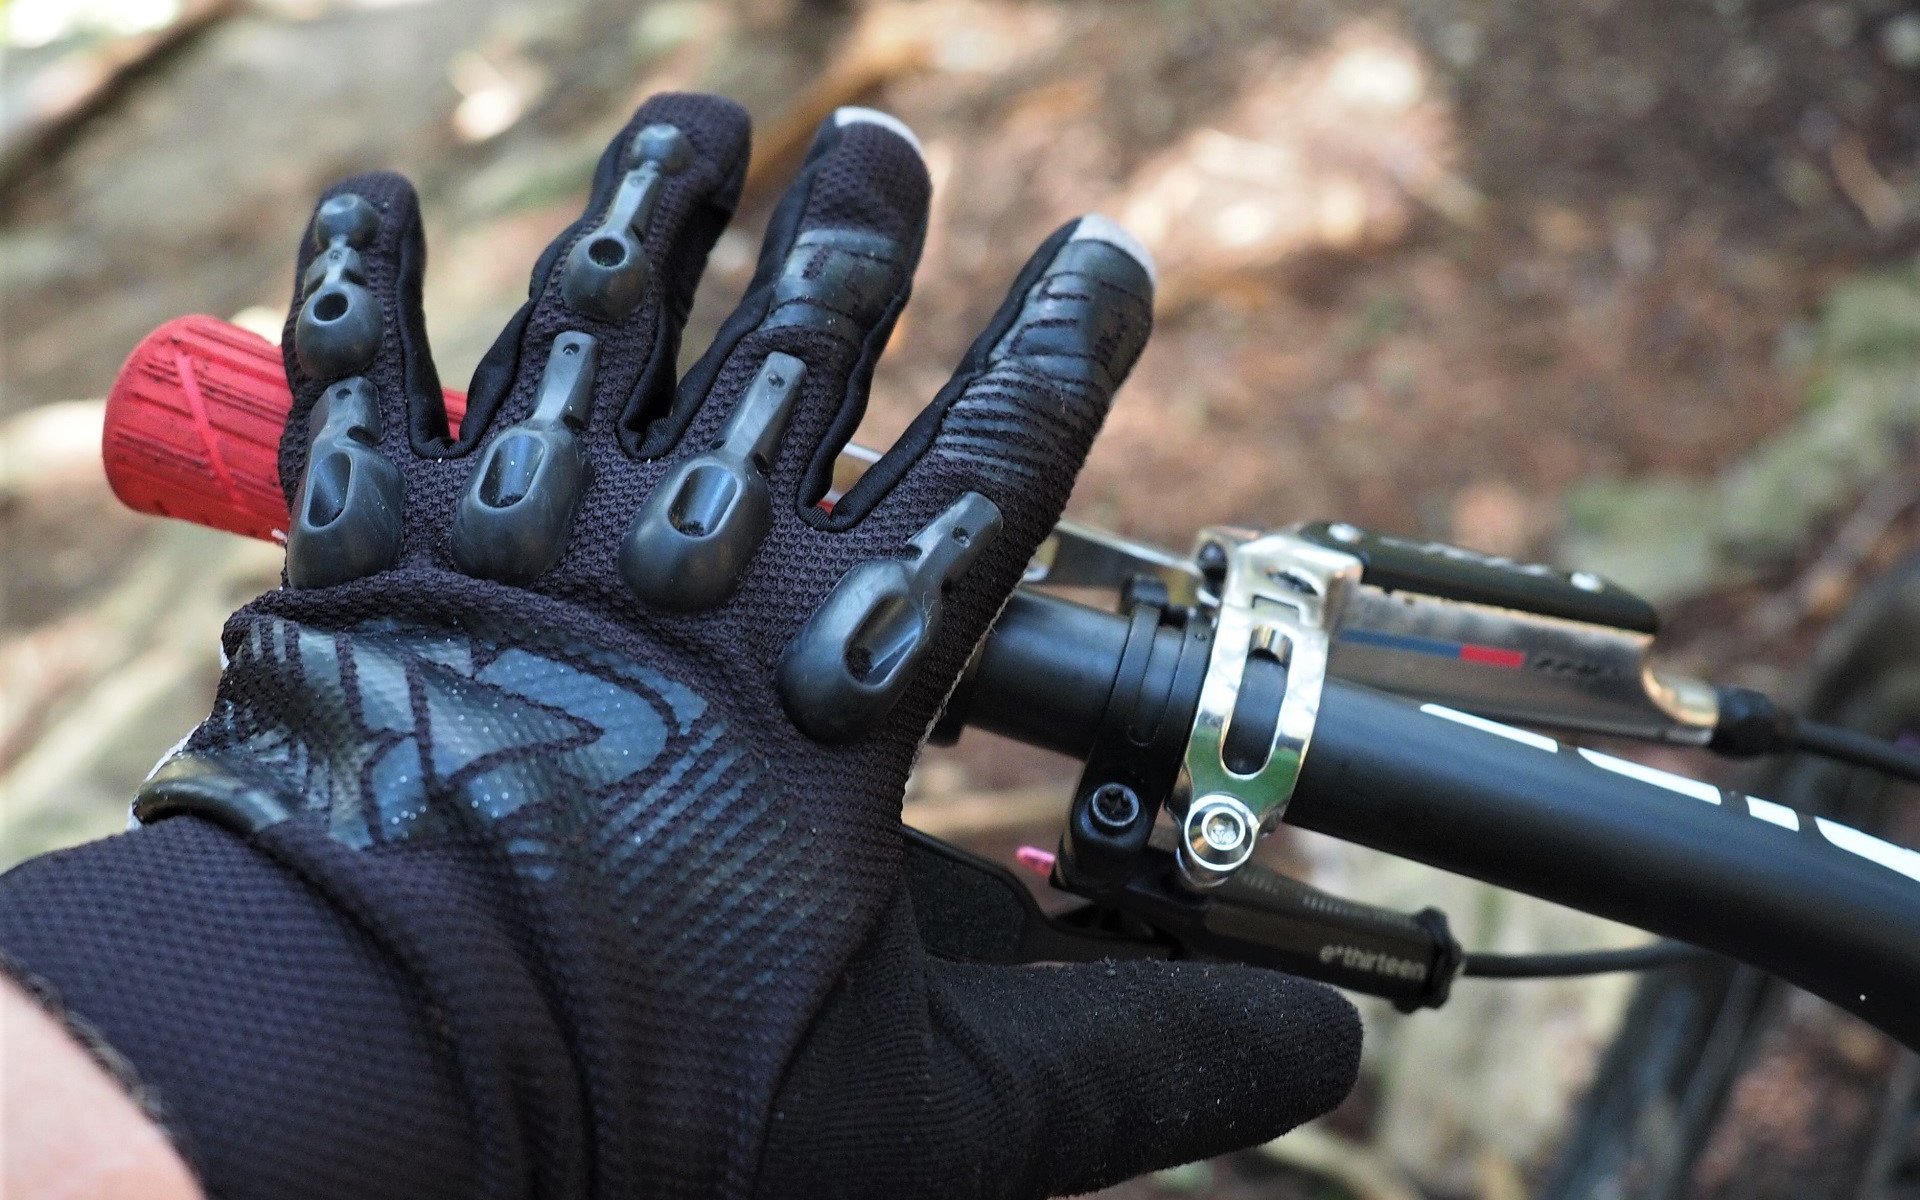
(1671,538)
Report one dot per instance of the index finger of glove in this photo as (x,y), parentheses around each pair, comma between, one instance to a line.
(948,518)
(1015,422)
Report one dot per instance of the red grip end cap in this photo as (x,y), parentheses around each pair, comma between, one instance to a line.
(193,426)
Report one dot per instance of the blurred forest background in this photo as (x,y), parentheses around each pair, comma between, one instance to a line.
(1627,284)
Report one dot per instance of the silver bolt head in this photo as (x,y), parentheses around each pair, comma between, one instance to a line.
(1216,839)
(1219,831)
(1223,830)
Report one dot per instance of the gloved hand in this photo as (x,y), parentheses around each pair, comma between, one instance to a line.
(596,723)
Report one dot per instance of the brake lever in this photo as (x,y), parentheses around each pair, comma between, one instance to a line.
(1080,556)
(1074,555)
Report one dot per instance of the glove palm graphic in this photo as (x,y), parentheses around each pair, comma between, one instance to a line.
(598,722)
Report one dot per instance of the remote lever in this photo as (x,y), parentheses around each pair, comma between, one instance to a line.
(1511,641)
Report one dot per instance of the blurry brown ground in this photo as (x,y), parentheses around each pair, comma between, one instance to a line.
(1437,267)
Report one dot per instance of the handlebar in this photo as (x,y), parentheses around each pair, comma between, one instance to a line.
(192,431)
(1823,906)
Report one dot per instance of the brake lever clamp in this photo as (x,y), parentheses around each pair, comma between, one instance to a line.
(1280,601)
(1134,763)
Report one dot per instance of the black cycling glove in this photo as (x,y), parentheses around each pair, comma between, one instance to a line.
(592,726)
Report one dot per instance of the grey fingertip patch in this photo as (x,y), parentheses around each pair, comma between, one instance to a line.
(855,115)
(1095,228)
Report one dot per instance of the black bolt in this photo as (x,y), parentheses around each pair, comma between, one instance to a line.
(1113,807)
(1212,561)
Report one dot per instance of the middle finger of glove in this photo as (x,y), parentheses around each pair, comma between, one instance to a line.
(562,401)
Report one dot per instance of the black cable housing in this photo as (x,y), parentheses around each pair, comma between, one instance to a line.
(1652,955)
(1859,749)
(1752,724)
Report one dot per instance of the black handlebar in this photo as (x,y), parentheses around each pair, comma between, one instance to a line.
(1553,824)
(1518,810)
(1043,675)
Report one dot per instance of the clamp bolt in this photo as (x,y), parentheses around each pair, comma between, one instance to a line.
(1216,839)
(1223,830)
(1212,561)
(1113,808)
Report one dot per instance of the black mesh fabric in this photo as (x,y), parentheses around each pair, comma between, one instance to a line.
(659,931)
(285,1054)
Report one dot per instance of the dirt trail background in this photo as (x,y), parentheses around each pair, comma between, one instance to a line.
(1626,283)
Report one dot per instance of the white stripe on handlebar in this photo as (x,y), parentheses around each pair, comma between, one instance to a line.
(1526,737)
(1888,855)
(1779,814)
(1843,837)
(1653,775)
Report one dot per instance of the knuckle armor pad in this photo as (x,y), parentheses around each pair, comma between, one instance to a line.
(699,528)
(513,522)
(345,522)
(851,662)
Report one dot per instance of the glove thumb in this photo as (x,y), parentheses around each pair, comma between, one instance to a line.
(1037,1081)
(1117,1068)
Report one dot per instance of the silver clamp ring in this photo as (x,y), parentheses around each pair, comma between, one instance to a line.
(1281,597)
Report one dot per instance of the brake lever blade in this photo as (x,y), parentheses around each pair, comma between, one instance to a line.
(974,910)
(1079,555)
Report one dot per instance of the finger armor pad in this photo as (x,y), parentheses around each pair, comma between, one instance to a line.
(607,271)
(338,330)
(851,662)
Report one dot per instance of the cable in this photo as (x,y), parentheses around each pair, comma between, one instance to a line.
(1852,746)
(1751,724)
(1579,962)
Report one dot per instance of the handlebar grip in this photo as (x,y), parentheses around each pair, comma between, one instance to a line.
(192,427)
